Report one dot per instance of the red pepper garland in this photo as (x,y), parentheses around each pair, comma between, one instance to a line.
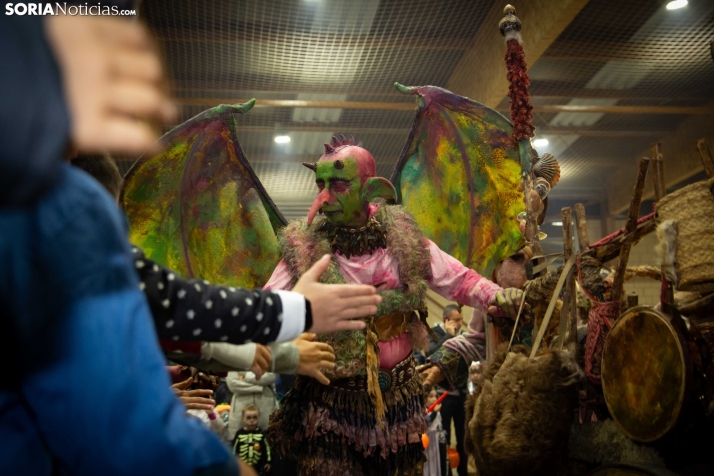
(518,82)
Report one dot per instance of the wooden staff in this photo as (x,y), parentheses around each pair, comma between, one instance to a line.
(630,227)
(706,157)
(658,171)
(570,294)
(581,224)
(660,191)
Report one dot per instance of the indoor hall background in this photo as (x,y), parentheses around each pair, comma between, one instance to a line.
(608,78)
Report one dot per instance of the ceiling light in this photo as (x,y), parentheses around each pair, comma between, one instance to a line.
(540,142)
(677,4)
(282,139)
(557,223)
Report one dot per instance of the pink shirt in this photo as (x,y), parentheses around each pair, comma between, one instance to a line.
(448,278)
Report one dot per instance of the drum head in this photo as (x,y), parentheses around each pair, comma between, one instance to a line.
(644,374)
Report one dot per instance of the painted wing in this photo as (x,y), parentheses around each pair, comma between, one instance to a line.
(459,175)
(197,207)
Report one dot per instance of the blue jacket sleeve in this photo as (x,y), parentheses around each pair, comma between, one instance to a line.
(98,389)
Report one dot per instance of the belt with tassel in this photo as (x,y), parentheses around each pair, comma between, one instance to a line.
(383,328)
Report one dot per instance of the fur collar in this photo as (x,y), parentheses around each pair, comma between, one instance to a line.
(302,246)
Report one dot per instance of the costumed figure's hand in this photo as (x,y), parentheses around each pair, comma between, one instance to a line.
(506,303)
(432,376)
(194,399)
(335,305)
(313,357)
(261,361)
(245,468)
(112,77)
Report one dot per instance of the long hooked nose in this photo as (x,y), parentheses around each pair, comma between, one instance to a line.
(321,198)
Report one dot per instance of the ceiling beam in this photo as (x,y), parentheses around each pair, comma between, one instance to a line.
(681,161)
(481,73)
(566,92)
(577,50)
(409,106)
(342,128)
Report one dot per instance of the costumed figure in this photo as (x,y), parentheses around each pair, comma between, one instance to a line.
(199,208)
(370,419)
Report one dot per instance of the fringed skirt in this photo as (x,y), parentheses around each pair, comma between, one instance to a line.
(332,430)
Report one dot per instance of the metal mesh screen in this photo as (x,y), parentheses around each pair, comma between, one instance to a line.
(613,53)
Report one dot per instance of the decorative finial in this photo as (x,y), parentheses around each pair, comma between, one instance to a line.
(510,25)
(311,165)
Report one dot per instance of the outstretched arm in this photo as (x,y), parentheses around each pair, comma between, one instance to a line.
(455,281)
(191,310)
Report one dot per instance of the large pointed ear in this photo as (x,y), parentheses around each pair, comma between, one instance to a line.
(378,187)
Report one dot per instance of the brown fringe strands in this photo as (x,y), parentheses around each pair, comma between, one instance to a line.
(333,430)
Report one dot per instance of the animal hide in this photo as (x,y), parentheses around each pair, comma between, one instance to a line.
(667,248)
(519,419)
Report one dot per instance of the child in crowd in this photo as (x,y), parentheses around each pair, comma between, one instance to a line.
(475,372)
(250,443)
(436,451)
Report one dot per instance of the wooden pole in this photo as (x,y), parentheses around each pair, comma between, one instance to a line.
(706,157)
(581,224)
(630,227)
(658,171)
(660,191)
(570,294)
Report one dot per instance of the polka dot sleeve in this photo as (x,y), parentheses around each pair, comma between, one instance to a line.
(189,310)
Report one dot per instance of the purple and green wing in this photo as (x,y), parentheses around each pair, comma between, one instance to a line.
(459,175)
(197,207)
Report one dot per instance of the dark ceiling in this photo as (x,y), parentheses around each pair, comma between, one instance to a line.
(613,53)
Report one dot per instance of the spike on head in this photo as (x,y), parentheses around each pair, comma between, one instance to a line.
(329,149)
(311,165)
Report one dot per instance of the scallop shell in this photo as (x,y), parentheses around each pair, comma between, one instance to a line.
(548,168)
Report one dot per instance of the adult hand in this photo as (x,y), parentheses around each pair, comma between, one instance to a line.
(245,468)
(313,357)
(112,76)
(262,360)
(194,399)
(506,303)
(452,327)
(335,305)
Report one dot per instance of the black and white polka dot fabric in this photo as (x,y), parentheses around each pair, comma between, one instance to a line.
(189,310)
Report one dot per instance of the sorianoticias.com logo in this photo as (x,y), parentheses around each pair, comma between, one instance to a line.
(62,8)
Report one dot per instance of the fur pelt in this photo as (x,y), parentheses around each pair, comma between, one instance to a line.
(520,417)
(667,248)
(604,443)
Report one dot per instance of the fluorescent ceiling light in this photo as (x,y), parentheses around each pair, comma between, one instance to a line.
(540,142)
(282,139)
(677,4)
(557,223)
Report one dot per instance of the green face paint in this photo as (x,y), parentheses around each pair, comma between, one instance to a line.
(340,186)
